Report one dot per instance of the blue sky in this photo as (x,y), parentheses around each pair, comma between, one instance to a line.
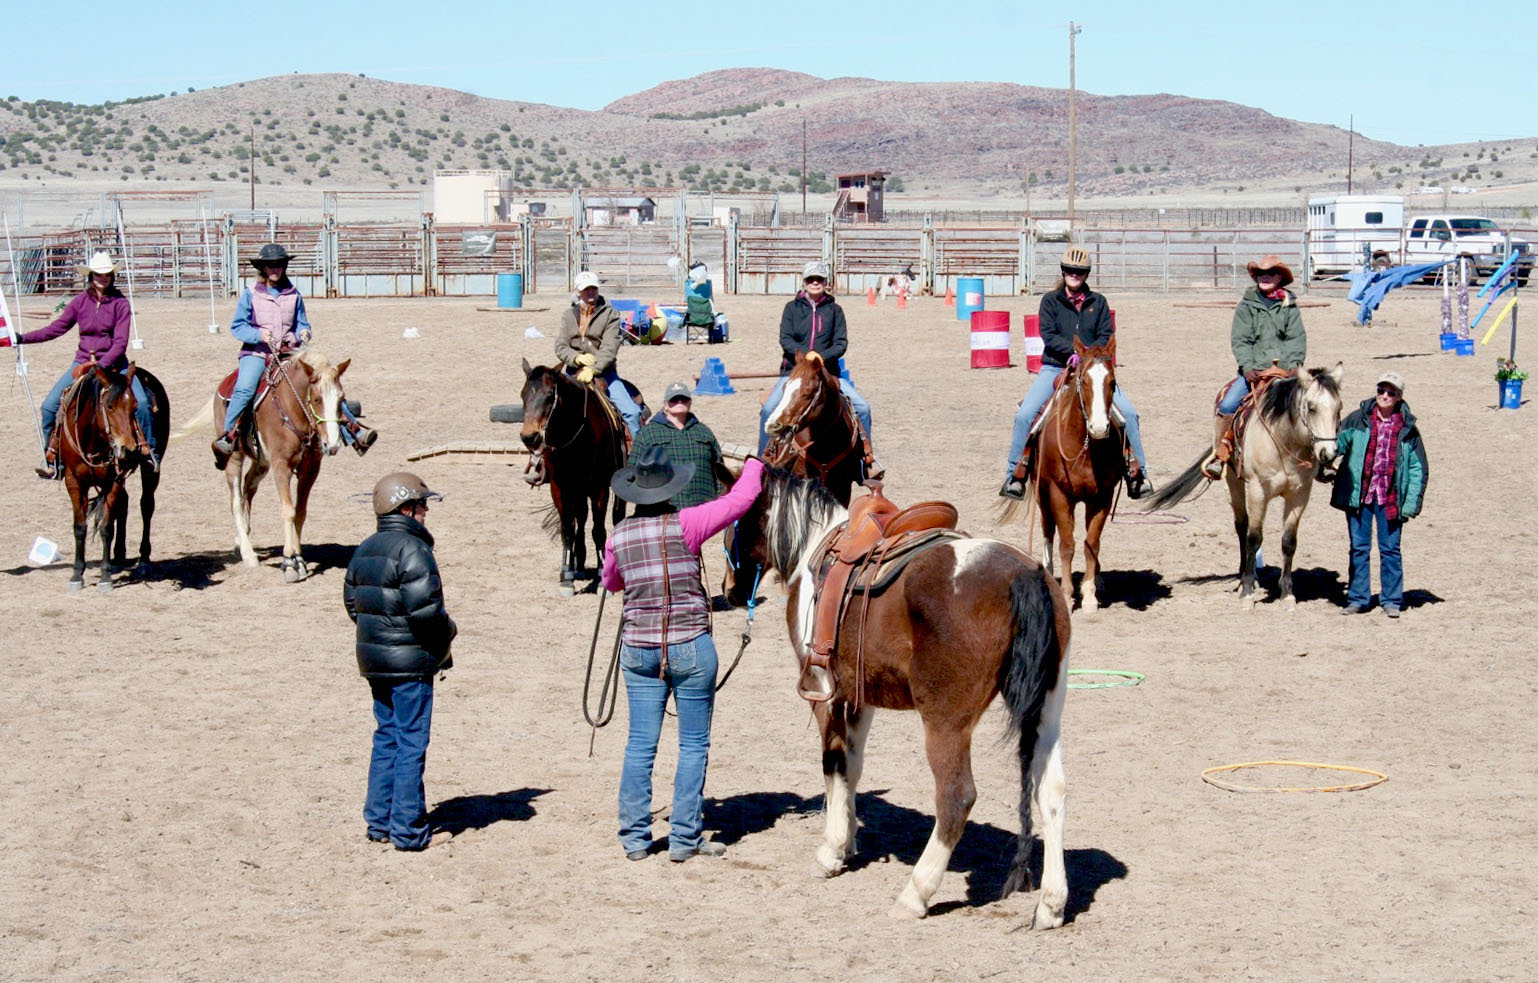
(1417,74)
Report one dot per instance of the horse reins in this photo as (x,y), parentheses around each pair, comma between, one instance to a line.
(804,447)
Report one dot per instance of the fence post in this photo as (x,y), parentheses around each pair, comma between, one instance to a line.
(1307,261)
(927,255)
(1030,255)
(229,259)
(827,249)
(429,255)
(732,245)
(526,264)
(1166,260)
(330,260)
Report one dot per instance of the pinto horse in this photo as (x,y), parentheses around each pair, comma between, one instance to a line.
(100,445)
(1080,457)
(963,621)
(583,444)
(1289,435)
(297,423)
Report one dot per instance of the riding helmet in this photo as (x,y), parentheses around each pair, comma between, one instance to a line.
(400,488)
(1076,260)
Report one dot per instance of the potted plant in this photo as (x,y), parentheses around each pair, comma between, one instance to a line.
(1508,377)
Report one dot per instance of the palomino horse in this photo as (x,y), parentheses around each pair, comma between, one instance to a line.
(814,433)
(1286,438)
(100,445)
(297,423)
(1080,457)
(583,444)
(964,620)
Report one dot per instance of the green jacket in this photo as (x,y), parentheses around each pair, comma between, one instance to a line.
(1410,470)
(601,340)
(1268,329)
(695,444)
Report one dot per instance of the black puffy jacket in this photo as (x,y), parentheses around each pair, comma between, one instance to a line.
(393,592)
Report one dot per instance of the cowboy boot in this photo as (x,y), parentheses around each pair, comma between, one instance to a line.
(1222,447)
(1138,484)
(1014,484)
(362,437)
(50,469)
(224,446)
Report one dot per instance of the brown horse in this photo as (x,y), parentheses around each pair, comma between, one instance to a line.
(1080,457)
(297,423)
(583,444)
(813,431)
(963,621)
(100,445)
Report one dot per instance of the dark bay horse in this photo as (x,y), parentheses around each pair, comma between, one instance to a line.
(963,621)
(297,424)
(1080,457)
(100,445)
(1290,434)
(583,444)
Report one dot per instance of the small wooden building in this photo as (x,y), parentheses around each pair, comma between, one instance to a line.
(619,210)
(859,197)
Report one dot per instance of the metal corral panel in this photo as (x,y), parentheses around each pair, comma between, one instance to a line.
(630,256)
(379,260)
(469,257)
(769,261)
(990,254)
(865,255)
(1178,259)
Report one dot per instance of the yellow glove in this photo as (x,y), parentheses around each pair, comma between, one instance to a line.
(585,374)
(586,359)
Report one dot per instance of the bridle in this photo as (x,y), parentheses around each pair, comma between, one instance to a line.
(313,417)
(70,433)
(799,430)
(1314,440)
(1078,367)
(555,404)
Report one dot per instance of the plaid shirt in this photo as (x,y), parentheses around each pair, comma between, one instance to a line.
(695,444)
(637,545)
(1382,441)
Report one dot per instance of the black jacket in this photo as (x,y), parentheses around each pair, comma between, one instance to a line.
(1060,323)
(796,333)
(393,592)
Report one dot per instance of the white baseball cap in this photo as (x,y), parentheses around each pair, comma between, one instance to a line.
(585,279)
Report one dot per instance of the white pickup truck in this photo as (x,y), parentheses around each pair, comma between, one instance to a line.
(1346,231)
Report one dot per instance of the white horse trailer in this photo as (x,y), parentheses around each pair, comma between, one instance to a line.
(1344,231)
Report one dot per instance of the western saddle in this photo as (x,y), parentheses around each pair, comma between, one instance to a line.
(864,555)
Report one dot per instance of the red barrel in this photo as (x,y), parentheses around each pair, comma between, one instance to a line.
(1033,344)
(990,339)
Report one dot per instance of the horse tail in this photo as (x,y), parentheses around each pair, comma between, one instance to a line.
(204,417)
(1013,506)
(1190,480)
(550,520)
(1035,665)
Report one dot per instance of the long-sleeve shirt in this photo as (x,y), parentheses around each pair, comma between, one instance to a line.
(245,330)
(104,327)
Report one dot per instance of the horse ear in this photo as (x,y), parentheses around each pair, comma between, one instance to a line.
(527,368)
(342,367)
(725,473)
(129,375)
(1078,345)
(1339,372)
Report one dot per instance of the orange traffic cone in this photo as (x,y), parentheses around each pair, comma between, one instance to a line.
(950,296)
(870,297)
(902,301)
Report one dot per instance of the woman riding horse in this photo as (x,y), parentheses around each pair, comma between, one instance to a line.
(104,318)
(1071,311)
(270,317)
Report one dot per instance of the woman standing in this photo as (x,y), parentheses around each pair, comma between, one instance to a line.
(1070,311)
(666,644)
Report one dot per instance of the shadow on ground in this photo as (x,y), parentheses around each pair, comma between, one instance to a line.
(479,811)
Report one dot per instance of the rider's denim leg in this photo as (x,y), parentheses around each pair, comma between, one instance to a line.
(1236,392)
(347,417)
(1035,398)
(770,405)
(246,381)
(51,403)
(1129,415)
(619,395)
(859,404)
(142,413)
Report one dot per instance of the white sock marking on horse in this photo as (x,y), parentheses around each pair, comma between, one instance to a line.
(1098,421)
(1050,793)
(843,822)
(788,394)
(925,881)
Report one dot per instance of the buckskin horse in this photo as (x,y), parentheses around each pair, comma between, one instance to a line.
(583,443)
(294,422)
(1080,457)
(964,620)
(1284,438)
(100,445)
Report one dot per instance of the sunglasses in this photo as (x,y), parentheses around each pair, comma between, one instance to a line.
(1387,391)
(1267,274)
(814,279)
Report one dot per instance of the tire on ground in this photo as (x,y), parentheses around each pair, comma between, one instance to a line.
(507,413)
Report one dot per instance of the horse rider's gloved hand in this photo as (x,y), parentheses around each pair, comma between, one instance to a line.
(585,374)
(586,359)
(304,338)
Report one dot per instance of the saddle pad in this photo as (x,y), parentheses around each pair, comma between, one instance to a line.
(874,580)
(227,388)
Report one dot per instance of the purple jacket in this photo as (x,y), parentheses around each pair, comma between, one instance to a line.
(104,326)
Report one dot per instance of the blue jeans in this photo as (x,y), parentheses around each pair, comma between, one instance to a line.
(396,806)
(50,411)
(692,679)
(1237,390)
(857,403)
(1361,524)
(1036,399)
(619,395)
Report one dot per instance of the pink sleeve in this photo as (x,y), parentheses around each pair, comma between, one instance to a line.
(700,522)
(611,578)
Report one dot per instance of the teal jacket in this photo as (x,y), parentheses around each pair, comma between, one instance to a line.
(1266,330)
(1410,469)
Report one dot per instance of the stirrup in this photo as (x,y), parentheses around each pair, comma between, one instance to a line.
(1013,488)
(363,439)
(1212,467)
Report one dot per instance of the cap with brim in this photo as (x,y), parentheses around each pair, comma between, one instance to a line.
(1394,379)
(677,390)
(272,254)
(585,279)
(652,478)
(100,263)
(814,270)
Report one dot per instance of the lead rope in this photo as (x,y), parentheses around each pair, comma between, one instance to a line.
(667,597)
(747,631)
(610,689)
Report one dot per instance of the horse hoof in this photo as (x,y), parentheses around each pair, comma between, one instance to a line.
(75,586)
(142,571)
(104,587)
(291,575)
(568,590)
(827,865)
(901,910)
(1290,602)
(1045,919)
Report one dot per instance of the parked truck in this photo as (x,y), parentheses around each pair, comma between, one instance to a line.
(1348,232)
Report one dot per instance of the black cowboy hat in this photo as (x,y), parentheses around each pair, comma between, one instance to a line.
(652,478)
(271,254)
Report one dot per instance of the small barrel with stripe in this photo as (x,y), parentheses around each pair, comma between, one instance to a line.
(990,339)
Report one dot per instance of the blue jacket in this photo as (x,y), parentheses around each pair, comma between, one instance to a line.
(1410,470)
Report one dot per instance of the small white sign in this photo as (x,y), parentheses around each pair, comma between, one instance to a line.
(44,552)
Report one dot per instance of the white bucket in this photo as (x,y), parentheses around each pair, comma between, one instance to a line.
(44,552)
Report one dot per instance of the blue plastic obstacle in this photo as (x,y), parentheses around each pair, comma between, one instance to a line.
(713,380)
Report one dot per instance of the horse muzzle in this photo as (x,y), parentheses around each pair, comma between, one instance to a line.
(531,439)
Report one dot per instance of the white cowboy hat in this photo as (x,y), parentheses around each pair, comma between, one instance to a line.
(100,263)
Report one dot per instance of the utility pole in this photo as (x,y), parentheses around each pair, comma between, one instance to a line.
(803,169)
(251,165)
(1350,148)
(1073,121)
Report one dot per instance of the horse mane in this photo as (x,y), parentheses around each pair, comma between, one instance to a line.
(1281,398)
(800,508)
(314,361)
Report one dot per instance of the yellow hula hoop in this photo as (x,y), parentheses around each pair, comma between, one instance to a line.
(1378,777)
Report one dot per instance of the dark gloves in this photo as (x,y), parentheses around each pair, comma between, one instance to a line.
(1252,377)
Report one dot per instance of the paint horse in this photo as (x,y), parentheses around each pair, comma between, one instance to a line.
(964,620)
(1287,434)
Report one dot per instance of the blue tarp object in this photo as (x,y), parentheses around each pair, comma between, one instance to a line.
(1368,287)
(1485,309)
(1500,271)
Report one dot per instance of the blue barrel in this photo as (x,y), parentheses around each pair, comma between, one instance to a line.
(509,289)
(969,296)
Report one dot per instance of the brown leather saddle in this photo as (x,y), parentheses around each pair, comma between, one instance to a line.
(1234,437)
(863,556)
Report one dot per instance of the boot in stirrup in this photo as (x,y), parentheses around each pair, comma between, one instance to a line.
(50,469)
(223,448)
(363,438)
(1014,484)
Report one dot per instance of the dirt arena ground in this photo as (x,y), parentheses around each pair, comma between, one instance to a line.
(185,758)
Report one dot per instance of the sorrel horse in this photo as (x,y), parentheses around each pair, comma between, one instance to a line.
(583,444)
(1290,434)
(297,423)
(814,433)
(1080,457)
(964,620)
(100,445)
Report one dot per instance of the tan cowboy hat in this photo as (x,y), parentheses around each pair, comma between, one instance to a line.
(1271,261)
(100,263)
